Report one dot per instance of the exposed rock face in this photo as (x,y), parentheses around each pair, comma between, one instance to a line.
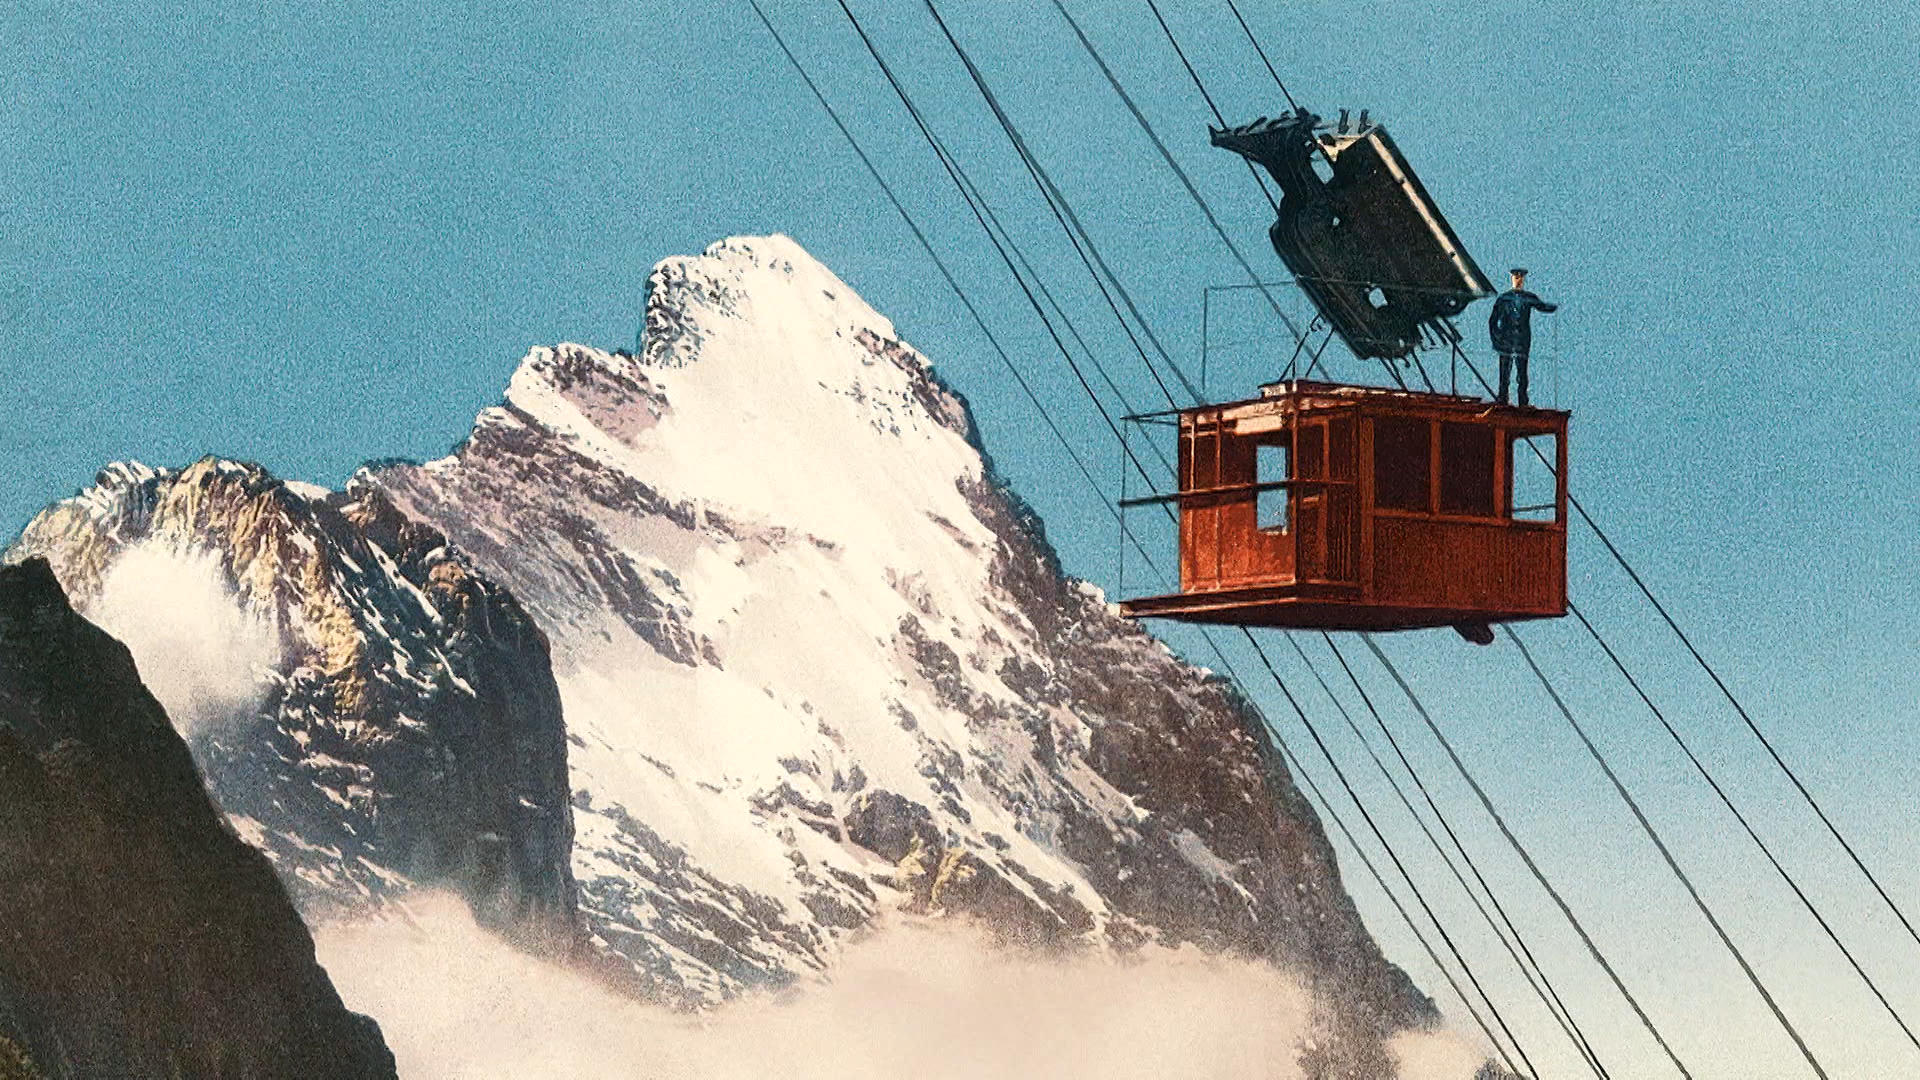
(407,728)
(817,663)
(139,937)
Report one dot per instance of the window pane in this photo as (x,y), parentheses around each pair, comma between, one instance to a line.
(1401,476)
(1466,469)
(1270,464)
(1535,483)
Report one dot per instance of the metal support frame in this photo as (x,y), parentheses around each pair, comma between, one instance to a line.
(1448,334)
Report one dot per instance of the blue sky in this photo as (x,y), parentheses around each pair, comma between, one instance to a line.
(311,235)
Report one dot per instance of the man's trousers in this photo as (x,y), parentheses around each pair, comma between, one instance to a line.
(1513,362)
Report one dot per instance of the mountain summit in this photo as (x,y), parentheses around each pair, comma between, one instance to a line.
(818,662)
(816,665)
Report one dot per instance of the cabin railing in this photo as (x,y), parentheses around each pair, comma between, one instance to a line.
(1195,494)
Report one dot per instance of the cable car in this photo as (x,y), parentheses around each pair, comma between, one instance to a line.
(1340,507)
(1337,507)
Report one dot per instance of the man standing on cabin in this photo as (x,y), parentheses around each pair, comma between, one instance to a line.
(1512,331)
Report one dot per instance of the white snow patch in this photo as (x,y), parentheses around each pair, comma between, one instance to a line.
(1195,851)
(309,492)
(248,829)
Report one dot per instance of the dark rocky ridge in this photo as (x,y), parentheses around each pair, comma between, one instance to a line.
(139,937)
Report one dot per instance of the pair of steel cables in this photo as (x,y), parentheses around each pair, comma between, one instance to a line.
(1023,271)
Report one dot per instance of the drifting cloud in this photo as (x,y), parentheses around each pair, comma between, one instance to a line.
(931,1002)
(198,647)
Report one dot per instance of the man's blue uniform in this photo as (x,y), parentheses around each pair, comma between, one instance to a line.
(1510,327)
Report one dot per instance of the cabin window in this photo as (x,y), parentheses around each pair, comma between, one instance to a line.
(1402,464)
(1534,470)
(1271,464)
(1466,470)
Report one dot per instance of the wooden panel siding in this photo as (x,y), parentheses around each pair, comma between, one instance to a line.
(1467,564)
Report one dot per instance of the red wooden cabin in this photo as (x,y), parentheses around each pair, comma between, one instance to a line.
(1358,508)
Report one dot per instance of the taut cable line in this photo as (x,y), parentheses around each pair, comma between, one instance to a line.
(1047,193)
(979,199)
(1167,156)
(1255,42)
(1340,774)
(1252,169)
(945,272)
(1666,855)
(1746,718)
(1522,956)
(1520,849)
(1753,726)
(1034,301)
(1700,767)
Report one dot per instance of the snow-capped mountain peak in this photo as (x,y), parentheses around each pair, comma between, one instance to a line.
(741,635)
(792,404)
(817,663)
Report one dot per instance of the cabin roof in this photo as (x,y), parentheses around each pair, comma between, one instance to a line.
(1301,395)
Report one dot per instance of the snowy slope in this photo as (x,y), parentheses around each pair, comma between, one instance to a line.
(817,664)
